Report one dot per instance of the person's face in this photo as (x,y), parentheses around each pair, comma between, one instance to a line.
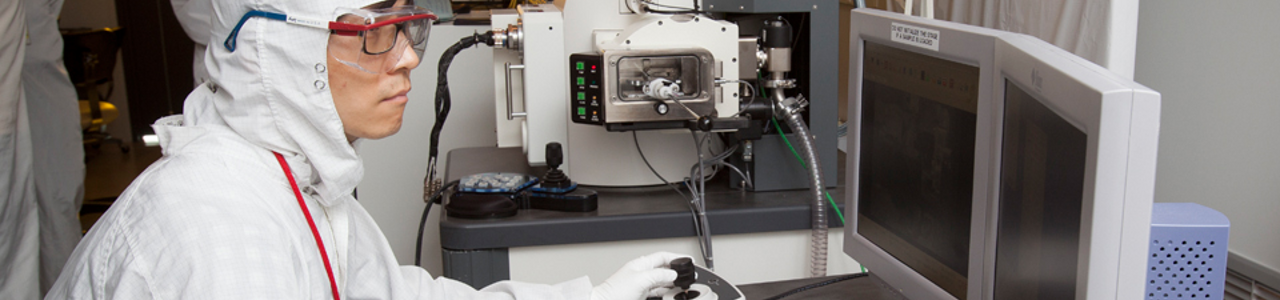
(371,106)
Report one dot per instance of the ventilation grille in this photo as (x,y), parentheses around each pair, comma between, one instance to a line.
(1240,287)
(1186,269)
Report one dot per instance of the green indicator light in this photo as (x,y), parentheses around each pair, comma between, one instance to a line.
(582,111)
(582,81)
(582,96)
(580,66)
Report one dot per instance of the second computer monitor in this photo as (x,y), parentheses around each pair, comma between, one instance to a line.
(1077,174)
(919,152)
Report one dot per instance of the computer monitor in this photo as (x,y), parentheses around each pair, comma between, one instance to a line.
(920,143)
(1076,177)
(992,165)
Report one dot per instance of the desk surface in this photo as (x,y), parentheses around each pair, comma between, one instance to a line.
(863,288)
(623,214)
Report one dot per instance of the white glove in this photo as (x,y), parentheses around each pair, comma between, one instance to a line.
(647,276)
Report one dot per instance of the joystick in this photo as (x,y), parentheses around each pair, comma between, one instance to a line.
(555,178)
(696,283)
(555,191)
(684,272)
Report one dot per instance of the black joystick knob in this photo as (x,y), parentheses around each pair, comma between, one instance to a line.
(555,178)
(684,272)
(554,155)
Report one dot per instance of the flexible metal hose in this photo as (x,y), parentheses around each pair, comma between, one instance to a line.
(818,208)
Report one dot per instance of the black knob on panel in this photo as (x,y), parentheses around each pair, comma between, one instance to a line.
(684,272)
(554,155)
(705,123)
(555,178)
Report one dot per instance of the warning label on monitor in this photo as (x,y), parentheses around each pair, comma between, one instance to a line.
(915,36)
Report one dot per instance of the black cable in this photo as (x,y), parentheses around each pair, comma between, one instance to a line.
(795,38)
(655,172)
(667,6)
(697,225)
(816,285)
(628,3)
(681,10)
(443,99)
(422,225)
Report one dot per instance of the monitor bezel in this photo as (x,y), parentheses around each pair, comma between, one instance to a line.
(1121,121)
(970,45)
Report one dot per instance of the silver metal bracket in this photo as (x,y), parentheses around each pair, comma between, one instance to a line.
(511,115)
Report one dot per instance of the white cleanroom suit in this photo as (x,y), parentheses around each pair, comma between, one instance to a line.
(194,15)
(19,213)
(216,218)
(57,147)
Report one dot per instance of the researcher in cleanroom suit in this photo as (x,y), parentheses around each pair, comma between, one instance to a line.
(56,141)
(19,214)
(253,196)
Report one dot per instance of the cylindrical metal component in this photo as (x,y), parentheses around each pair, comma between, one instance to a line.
(779,59)
(510,38)
(779,96)
(761,59)
(777,34)
(662,89)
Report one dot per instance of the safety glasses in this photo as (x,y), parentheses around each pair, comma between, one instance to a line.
(371,40)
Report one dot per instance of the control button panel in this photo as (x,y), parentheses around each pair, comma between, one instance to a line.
(586,95)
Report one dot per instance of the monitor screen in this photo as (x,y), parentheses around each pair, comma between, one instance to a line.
(1042,176)
(918,126)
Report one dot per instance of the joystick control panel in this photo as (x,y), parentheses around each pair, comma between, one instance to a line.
(697,283)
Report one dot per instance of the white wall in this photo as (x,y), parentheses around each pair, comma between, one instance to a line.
(1216,66)
(395,166)
(102,14)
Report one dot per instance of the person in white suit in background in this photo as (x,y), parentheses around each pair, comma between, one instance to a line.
(19,214)
(56,139)
(41,154)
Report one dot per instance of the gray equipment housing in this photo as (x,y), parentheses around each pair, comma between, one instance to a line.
(771,162)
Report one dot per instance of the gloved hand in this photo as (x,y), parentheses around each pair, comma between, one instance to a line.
(647,276)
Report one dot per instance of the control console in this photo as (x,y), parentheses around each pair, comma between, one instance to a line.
(697,283)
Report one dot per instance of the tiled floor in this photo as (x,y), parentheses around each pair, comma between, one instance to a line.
(108,171)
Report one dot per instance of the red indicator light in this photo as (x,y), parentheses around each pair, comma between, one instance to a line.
(593,67)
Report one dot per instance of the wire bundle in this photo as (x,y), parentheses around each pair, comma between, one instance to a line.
(432,189)
(696,183)
(443,103)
